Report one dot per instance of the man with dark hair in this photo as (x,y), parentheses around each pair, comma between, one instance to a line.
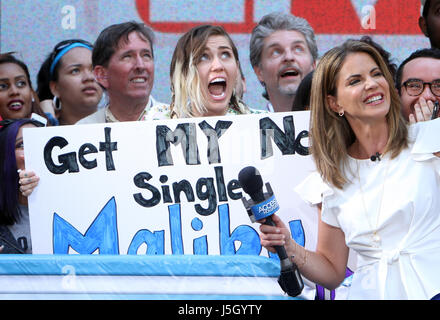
(418,82)
(283,51)
(123,64)
(429,21)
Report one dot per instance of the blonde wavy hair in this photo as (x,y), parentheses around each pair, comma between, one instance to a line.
(187,99)
(330,134)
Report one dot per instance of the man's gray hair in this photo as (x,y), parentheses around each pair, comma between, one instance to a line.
(279,21)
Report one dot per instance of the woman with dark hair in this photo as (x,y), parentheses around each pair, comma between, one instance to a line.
(376,185)
(302,96)
(66,84)
(15,186)
(17,98)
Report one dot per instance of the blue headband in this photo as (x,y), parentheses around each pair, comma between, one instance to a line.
(64,51)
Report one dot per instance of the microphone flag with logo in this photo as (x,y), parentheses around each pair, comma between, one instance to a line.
(262,206)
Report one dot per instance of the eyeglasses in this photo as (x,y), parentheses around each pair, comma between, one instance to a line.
(415,87)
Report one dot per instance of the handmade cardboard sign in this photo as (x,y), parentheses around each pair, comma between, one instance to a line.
(165,186)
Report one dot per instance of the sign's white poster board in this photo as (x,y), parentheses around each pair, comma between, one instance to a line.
(165,187)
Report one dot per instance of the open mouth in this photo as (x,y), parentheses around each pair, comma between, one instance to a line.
(15,105)
(139,80)
(217,88)
(290,72)
(374,99)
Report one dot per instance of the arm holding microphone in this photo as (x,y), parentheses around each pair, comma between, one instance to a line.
(326,266)
(262,206)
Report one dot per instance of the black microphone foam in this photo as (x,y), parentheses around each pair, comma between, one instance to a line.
(252,183)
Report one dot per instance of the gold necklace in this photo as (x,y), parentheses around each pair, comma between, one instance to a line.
(376,237)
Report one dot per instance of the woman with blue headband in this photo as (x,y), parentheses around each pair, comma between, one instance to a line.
(66,83)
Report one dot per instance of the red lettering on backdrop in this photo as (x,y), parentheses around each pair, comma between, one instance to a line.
(143,7)
(401,18)
(339,16)
(325,16)
(328,17)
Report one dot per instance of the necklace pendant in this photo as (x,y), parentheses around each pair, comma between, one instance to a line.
(376,239)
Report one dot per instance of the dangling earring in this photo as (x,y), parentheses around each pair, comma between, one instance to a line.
(341,113)
(56,103)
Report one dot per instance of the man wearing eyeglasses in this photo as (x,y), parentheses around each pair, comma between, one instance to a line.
(418,84)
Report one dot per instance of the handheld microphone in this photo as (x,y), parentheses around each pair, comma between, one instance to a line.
(262,206)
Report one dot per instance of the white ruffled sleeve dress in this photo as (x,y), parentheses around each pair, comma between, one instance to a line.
(390,215)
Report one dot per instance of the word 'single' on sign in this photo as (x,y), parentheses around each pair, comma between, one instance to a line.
(326,17)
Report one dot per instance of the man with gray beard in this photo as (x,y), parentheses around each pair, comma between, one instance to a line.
(283,51)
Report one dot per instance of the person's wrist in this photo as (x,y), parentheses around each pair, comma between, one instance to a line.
(299,256)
